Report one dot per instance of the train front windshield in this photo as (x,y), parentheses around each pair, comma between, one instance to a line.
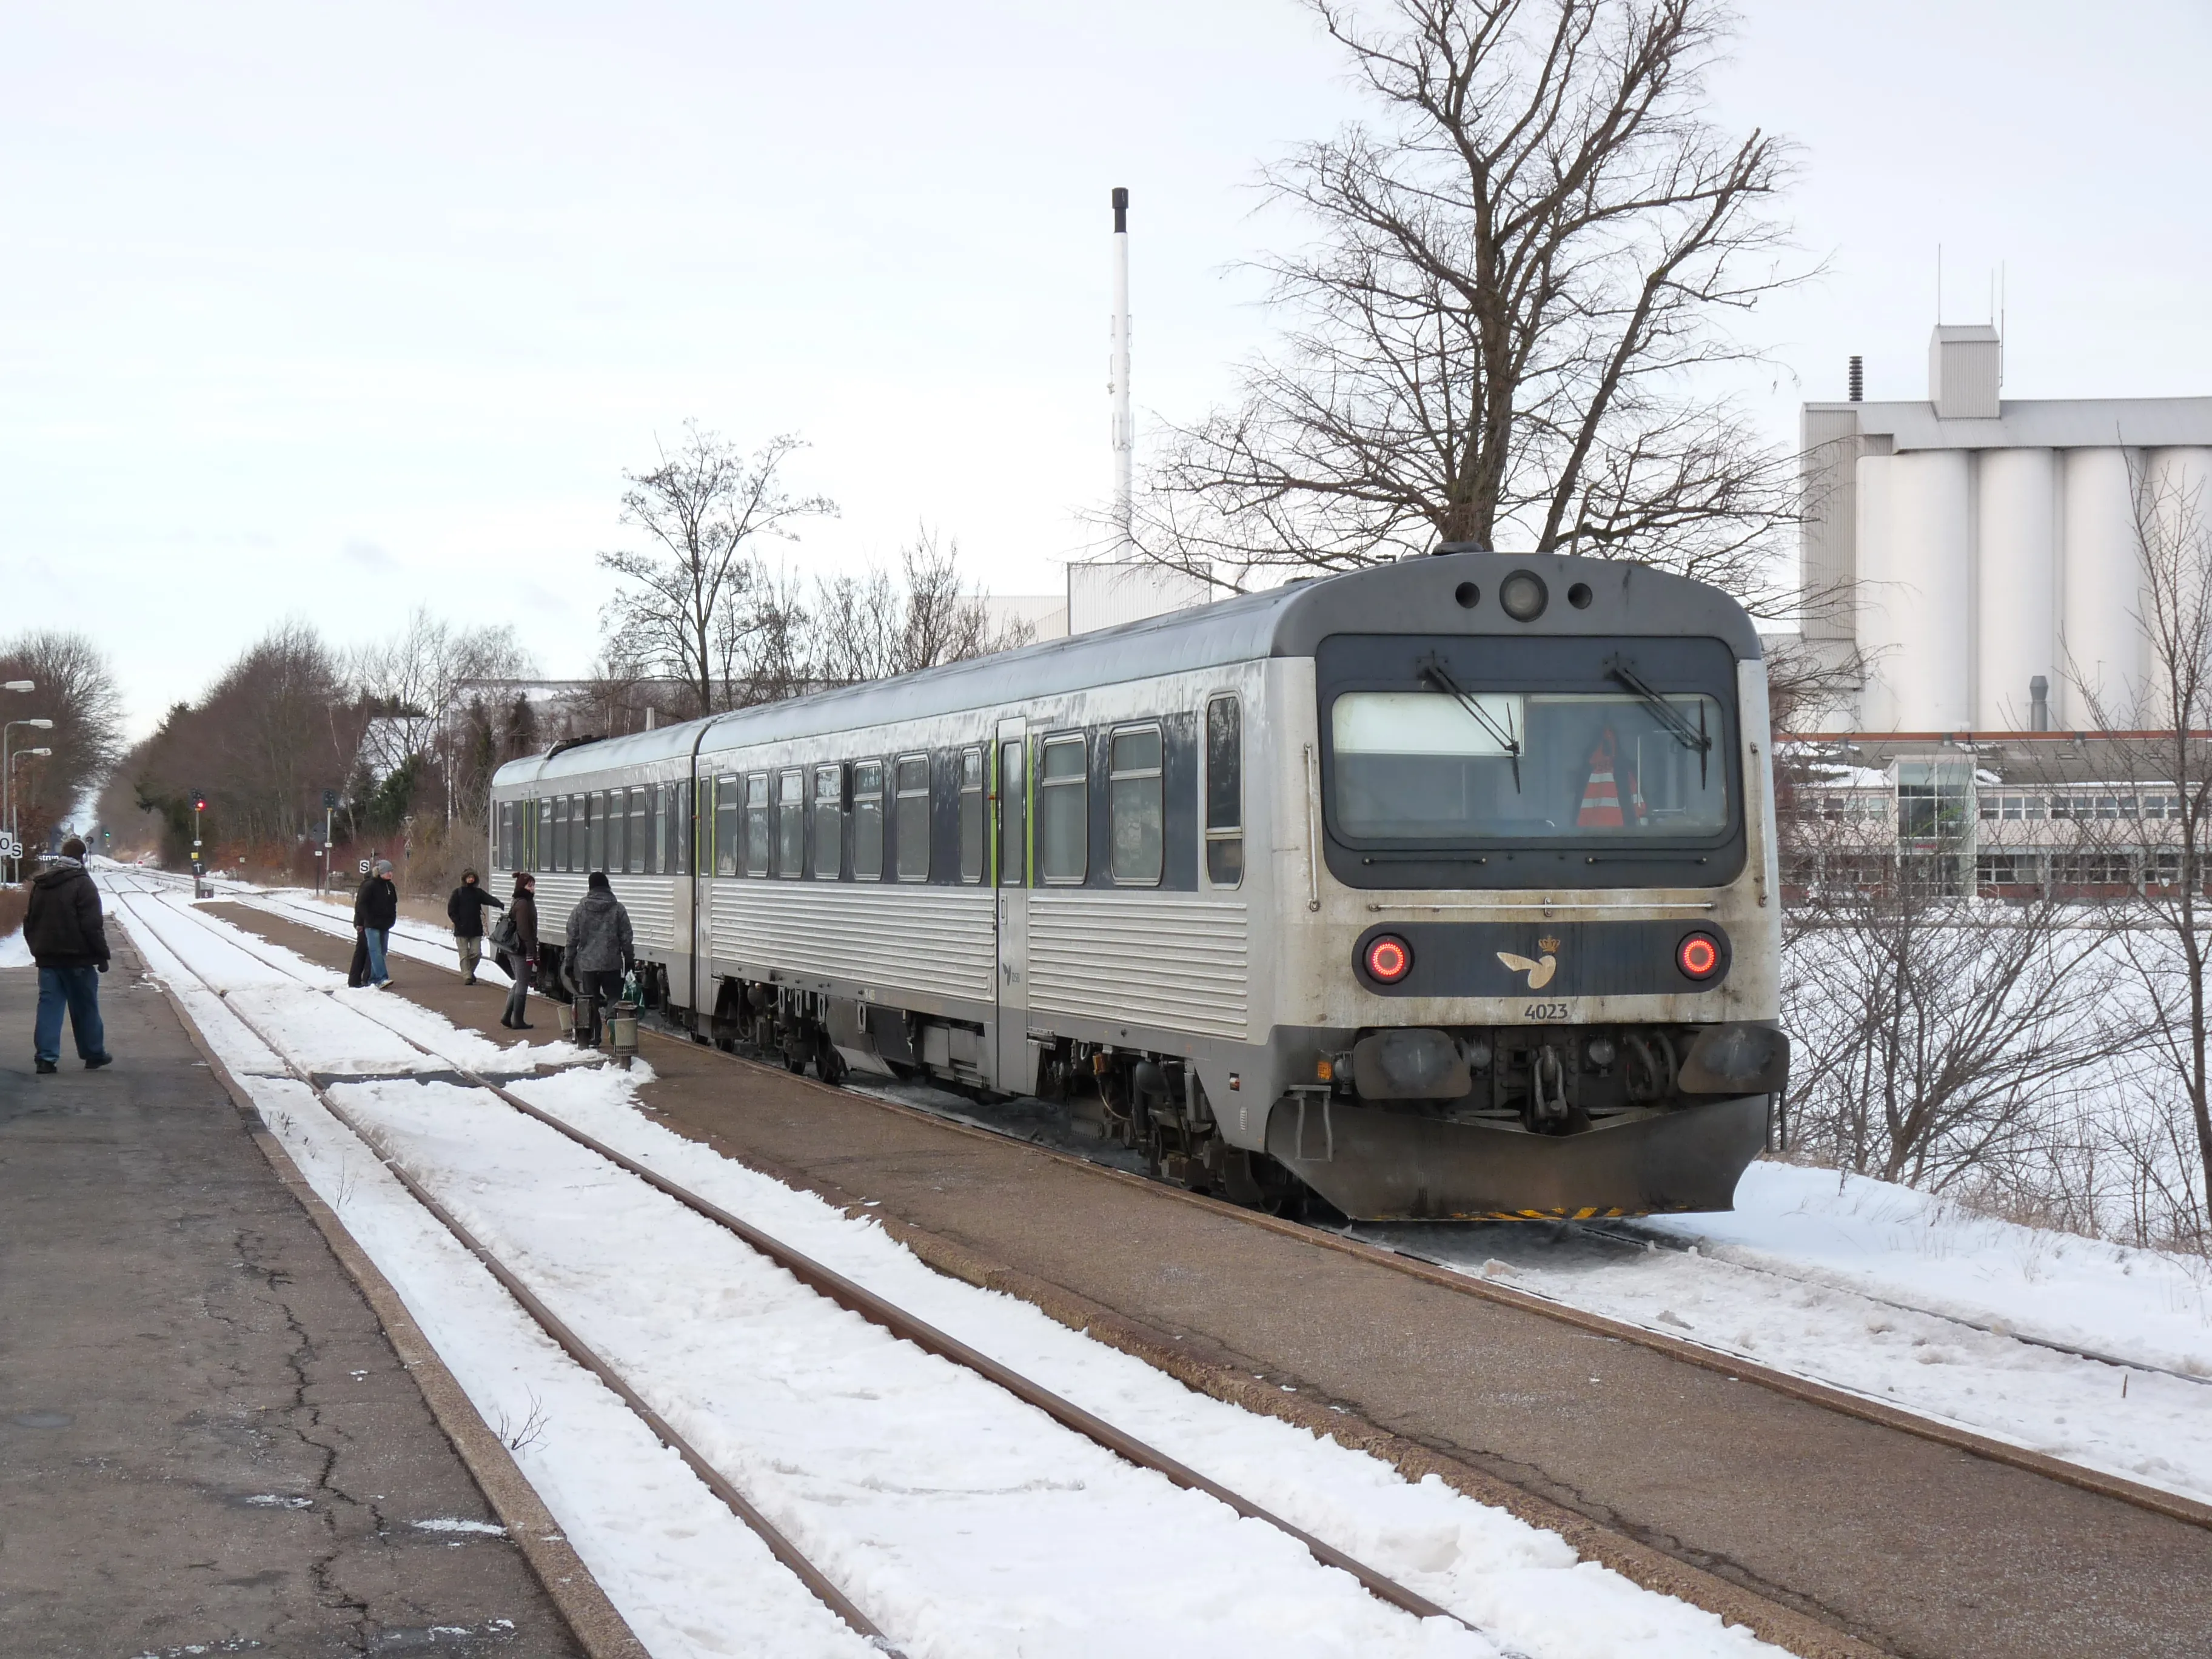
(1601,744)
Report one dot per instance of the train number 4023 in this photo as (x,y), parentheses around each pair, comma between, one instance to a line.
(1546,1011)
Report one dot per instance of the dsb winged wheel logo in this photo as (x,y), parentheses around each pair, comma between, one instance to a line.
(1540,971)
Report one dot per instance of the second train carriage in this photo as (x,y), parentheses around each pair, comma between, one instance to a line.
(1446,888)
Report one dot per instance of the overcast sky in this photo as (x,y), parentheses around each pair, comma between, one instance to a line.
(315,312)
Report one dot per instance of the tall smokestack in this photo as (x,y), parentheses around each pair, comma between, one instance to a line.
(1117,373)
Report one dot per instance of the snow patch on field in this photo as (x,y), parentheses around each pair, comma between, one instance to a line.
(1907,1298)
(13,953)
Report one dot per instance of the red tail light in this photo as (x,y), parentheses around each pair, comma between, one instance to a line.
(1699,956)
(1389,958)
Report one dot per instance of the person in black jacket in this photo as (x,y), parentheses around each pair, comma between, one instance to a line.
(465,911)
(66,937)
(525,964)
(375,912)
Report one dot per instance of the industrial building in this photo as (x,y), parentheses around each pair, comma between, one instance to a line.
(1980,553)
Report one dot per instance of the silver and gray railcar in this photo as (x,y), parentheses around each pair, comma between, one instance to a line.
(1446,888)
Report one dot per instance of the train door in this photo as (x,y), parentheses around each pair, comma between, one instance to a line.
(1015,1069)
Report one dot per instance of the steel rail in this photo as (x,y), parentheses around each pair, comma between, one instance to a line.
(816,1582)
(857,1299)
(1828,1397)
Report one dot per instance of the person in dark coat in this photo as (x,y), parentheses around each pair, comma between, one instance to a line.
(599,953)
(523,912)
(465,911)
(67,937)
(376,913)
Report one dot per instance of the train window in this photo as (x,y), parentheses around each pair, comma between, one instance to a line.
(728,820)
(791,823)
(502,836)
(656,834)
(575,849)
(1062,831)
(679,831)
(1225,792)
(756,824)
(635,847)
(1136,809)
(595,822)
(1014,818)
(557,833)
(829,822)
(971,815)
(910,829)
(867,820)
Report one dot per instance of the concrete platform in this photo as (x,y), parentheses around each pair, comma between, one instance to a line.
(207,1444)
(1913,1548)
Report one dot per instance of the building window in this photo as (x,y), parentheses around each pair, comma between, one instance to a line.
(791,823)
(971,815)
(1136,807)
(868,821)
(729,824)
(1063,838)
(756,826)
(829,822)
(910,829)
(1225,792)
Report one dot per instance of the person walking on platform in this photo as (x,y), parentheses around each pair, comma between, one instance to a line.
(599,953)
(521,929)
(465,911)
(67,937)
(375,912)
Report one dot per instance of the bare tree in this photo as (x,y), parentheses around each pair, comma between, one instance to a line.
(1512,282)
(76,691)
(870,627)
(687,611)
(1938,1038)
(2159,734)
(424,668)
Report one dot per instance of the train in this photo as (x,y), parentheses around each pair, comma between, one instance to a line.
(1444,888)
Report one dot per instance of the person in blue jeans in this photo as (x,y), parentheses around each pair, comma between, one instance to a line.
(376,913)
(67,937)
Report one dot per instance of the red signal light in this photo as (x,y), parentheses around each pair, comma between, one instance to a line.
(1389,958)
(1699,956)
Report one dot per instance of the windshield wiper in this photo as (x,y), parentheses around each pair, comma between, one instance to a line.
(1690,736)
(1433,671)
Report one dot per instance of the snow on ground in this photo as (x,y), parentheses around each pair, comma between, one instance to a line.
(967,1522)
(13,953)
(1878,1289)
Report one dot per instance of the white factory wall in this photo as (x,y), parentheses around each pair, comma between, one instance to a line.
(2101,635)
(1979,570)
(2015,583)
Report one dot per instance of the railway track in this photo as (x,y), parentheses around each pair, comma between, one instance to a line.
(1389,1246)
(141,895)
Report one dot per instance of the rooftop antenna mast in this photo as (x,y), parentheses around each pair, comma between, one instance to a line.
(1117,373)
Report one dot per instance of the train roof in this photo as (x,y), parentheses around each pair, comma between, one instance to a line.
(1414,595)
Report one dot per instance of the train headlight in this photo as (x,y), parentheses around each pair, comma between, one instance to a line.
(1389,958)
(1522,596)
(1699,956)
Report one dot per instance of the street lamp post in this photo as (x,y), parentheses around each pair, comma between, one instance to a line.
(7,769)
(13,761)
